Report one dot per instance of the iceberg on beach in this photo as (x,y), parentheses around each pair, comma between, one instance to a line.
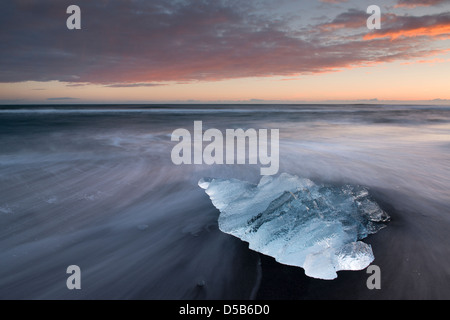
(300,223)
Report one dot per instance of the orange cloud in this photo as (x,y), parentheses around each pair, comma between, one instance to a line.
(439,30)
(430,61)
(417,3)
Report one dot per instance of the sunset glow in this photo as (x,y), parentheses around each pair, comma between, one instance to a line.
(224,51)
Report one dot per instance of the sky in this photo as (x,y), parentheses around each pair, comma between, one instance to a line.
(224,51)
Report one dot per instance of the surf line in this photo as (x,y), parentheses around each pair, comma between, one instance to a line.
(230,148)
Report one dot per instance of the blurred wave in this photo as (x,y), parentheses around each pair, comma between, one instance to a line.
(95,186)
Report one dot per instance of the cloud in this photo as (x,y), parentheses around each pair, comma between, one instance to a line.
(415,26)
(394,26)
(352,18)
(418,3)
(146,43)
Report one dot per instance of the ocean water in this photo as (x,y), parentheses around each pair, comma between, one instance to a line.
(95,186)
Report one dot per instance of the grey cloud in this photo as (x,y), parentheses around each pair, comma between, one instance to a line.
(144,43)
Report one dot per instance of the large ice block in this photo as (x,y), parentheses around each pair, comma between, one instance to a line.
(300,223)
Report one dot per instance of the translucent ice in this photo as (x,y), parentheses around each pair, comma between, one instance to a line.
(300,223)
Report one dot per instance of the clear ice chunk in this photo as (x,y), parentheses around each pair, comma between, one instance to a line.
(300,223)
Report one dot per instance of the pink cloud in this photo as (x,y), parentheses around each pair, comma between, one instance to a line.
(147,43)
